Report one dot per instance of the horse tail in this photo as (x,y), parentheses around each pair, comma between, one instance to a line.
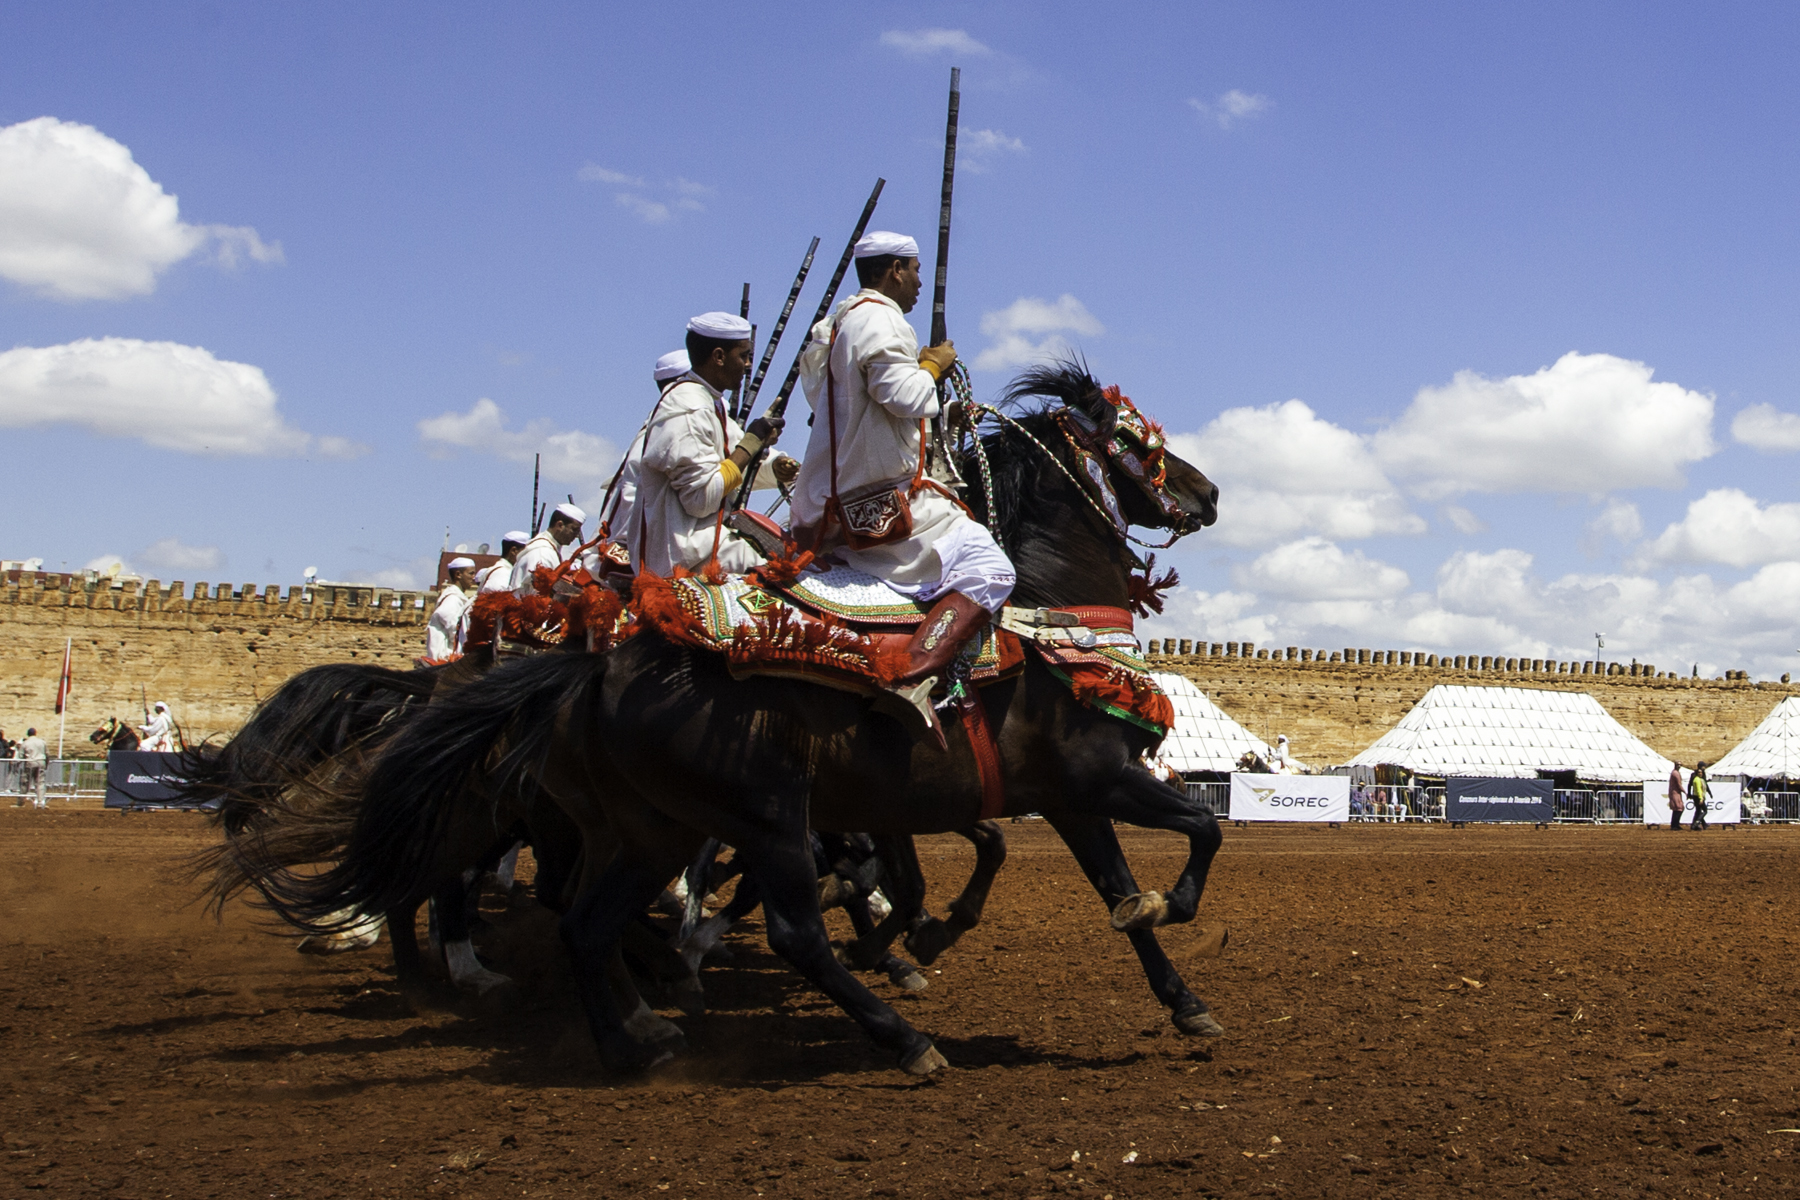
(436,786)
(312,728)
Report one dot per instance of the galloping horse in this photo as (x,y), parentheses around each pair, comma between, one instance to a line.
(660,747)
(115,735)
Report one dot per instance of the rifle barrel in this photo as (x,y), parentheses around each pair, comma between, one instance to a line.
(939,330)
(778,406)
(762,368)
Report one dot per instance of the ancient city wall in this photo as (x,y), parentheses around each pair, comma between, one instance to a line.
(1333,705)
(212,651)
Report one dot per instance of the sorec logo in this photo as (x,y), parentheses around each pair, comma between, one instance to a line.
(1267,797)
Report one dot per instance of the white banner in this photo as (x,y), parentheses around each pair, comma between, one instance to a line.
(1725,807)
(1290,797)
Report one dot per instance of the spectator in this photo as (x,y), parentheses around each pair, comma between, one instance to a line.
(37,758)
(1700,793)
(1675,791)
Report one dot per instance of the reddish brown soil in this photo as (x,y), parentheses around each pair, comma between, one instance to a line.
(1412,1012)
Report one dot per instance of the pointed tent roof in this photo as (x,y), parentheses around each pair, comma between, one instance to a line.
(1772,751)
(1513,733)
(1203,737)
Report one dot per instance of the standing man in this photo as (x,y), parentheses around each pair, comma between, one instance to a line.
(1699,792)
(449,622)
(37,757)
(497,577)
(159,735)
(873,390)
(549,548)
(694,458)
(1676,791)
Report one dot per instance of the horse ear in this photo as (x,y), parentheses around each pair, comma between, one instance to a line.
(1102,411)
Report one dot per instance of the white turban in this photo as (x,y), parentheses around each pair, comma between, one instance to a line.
(878,243)
(723,326)
(517,537)
(161,707)
(457,564)
(570,511)
(674,363)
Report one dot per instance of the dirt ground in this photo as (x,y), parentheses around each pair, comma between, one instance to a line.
(1411,1012)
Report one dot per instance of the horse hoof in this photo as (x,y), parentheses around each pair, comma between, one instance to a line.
(624,1056)
(927,1061)
(1146,910)
(689,997)
(1198,1022)
(929,940)
(909,980)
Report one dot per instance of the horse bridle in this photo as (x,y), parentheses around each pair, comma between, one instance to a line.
(1136,446)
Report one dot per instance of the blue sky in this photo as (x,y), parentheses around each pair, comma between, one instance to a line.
(388,214)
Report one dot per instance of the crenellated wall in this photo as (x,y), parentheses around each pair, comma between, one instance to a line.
(212,651)
(1331,708)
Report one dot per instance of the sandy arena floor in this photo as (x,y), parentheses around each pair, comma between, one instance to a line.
(1412,1012)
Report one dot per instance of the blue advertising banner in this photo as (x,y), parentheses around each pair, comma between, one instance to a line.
(141,779)
(1469,799)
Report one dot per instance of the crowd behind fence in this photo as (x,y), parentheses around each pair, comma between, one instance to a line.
(1400,803)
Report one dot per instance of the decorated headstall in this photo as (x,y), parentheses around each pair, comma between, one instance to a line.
(1135,445)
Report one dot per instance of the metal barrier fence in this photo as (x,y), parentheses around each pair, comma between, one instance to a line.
(1772,808)
(1394,803)
(1603,806)
(64,778)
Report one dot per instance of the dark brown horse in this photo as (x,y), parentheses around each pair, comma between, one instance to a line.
(655,747)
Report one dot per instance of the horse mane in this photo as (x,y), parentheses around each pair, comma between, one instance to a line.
(1016,465)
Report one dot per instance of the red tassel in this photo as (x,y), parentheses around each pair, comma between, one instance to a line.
(1146,592)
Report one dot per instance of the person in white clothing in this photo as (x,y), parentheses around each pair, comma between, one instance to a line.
(694,456)
(449,622)
(873,391)
(497,577)
(158,736)
(549,548)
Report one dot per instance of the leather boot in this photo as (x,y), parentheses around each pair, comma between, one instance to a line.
(952,621)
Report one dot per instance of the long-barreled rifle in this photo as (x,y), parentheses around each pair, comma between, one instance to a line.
(737,390)
(778,406)
(939,328)
(787,310)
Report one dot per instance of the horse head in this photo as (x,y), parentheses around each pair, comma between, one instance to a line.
(1123,453)
(105,732)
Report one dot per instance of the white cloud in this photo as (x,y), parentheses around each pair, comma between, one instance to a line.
(1464,521)
(81,220)
(1284,471)
(1619,521)
(1031,330)
(167,395)
(1231,107)
(678,194)
(1589,423)
(1767,428)
(584,460)
(1727,526)
(172,554)
(922,43)
(976,149)
(1316,569)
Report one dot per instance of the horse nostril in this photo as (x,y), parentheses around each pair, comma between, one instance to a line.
(1214,495)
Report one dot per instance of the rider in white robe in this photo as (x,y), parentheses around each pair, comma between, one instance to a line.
(497,577)
(549,548)
(159,734)
(449,621)
(693,459)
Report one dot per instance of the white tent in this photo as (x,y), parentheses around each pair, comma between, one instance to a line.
(1772,751)
(1203,737)
(1513,733)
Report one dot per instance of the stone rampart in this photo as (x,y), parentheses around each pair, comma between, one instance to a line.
(1331,709)
(211,651)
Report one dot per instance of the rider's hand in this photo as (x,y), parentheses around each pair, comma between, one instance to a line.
(766,429)
(938,359)
(786,470)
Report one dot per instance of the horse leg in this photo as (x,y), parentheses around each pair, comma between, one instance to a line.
(409,967)
(450,904)
(697,945)
(931,937)
(697,875)
(1140,798)
(903,880)
(796,931)
(900,973)
(1091,840)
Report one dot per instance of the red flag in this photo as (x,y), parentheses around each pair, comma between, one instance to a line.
(66,682)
